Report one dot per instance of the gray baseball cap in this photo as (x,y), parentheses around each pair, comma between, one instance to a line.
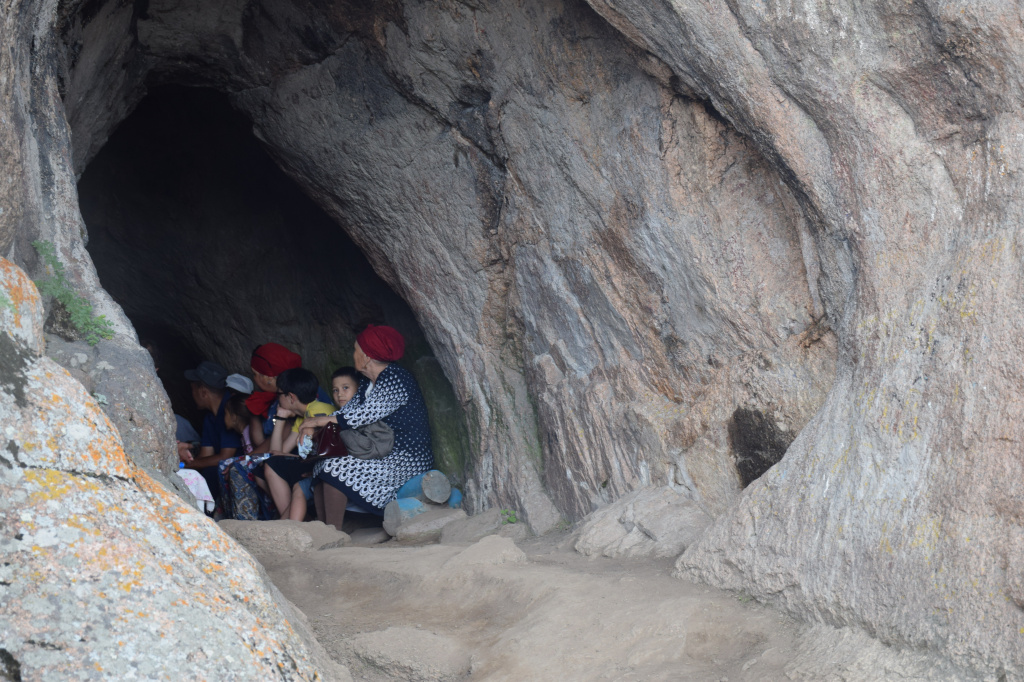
(209,373)
(240,383)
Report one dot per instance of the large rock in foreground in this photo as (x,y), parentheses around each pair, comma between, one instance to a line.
(104,574)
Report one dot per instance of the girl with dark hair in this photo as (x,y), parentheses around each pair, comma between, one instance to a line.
(241,495)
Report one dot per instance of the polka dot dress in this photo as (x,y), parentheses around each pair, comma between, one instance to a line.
(396,400)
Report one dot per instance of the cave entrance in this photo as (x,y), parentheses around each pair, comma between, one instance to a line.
(211,250)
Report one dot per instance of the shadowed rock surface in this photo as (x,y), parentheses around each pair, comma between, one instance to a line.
(209,247)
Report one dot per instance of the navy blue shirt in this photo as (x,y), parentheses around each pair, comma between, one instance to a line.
(215,431)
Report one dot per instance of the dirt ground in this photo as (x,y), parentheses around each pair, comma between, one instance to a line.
(539,611)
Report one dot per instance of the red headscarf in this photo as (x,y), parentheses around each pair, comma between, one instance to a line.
(270,359)
(381,343)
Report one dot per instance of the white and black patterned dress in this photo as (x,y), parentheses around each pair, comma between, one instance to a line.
(396,400)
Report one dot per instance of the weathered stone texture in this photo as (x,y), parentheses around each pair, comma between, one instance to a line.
(651,522)
(38,199)
(605,270)
(101,568)
(898,128)
(615,241)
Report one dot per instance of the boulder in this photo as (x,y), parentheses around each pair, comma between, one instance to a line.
(651,522)
(400,510)
(366,537)
(104,573)
(283,536)
(427,527)
(410,654)
(515,532)
(492,550)
(123,380)
(472,528)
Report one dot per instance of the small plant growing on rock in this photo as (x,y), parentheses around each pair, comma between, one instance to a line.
(508,516)
(91,327)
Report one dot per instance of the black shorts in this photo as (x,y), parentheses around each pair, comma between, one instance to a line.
(291,469)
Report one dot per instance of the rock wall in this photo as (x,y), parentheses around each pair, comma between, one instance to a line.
(106,574)
(38,201)
(720,225)
(605,270)
(898,128)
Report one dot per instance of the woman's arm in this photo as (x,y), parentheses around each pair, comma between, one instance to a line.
(313,423)
(290,441)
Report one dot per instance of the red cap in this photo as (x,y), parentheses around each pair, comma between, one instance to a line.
(271,359)
(382,343)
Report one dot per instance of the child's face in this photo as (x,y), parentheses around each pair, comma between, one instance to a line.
(343,389)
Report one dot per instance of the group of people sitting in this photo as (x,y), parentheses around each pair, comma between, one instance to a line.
(260,450)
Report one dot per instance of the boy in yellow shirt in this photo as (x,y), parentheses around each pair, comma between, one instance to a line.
(296,394)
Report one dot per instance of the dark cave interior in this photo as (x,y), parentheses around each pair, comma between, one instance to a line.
(211,250)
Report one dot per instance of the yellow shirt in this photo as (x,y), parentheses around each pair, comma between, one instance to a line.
(314,409)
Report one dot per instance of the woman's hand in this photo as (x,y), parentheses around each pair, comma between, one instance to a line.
(312,424)
(282,412)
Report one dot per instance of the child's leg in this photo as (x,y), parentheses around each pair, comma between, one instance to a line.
(279,490)
(297,512)
(318,500)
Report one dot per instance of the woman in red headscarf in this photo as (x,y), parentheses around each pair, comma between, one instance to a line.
(390,394)
(242,497)
(267,362)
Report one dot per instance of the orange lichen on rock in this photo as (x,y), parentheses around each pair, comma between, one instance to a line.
(18,288)
(26,307)
(91,539)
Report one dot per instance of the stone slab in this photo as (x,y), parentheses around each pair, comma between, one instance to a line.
(652,522)
(427,527)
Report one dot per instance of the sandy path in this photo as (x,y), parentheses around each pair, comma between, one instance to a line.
(542,612)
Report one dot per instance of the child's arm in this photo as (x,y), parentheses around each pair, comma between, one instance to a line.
(256,431)
(290,442)
(282,440)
